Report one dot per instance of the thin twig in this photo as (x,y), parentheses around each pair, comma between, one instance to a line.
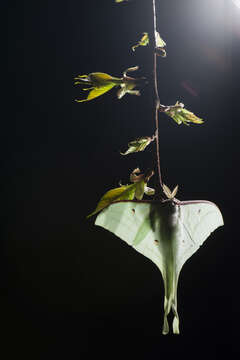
(157,99)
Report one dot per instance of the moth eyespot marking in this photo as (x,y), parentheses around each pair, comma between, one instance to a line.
(133,210)
(156,241)
(199,210)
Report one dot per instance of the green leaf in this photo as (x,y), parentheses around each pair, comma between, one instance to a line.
(97,92)
(129,83)
(143,42)
(127,192)
(170,194)
(137,145)
(168,233)
(181,115)
(127,88)
(141,181)
(160,44)
(131,69)
(100,83)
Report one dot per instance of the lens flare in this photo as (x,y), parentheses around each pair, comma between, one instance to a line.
(237,3)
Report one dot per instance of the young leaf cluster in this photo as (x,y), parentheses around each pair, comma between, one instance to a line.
(99,83)
(127,192)
(181,115)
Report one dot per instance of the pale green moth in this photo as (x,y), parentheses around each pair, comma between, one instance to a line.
(168,233)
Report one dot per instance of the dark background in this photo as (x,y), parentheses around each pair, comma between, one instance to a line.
(73,290)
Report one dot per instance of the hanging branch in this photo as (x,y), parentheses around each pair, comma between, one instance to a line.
(99,83)
(169,231)
(157,99)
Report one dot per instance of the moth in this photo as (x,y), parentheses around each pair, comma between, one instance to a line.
(167,232)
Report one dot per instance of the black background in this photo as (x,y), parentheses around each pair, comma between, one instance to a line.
(74,290)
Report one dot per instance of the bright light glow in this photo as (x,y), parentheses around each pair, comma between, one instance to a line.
(237,3)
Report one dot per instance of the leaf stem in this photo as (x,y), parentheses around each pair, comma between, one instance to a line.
(157,99)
